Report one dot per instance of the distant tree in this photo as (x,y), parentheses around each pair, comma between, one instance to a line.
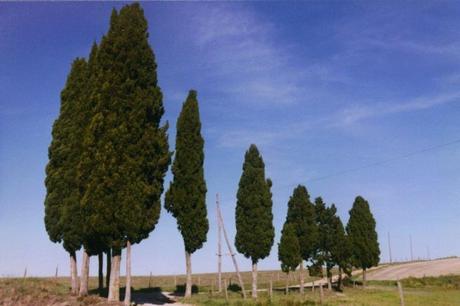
(62,202)
(289,250)
(301,213)
(363,236)
(127,152)
(254,218)
(340,249)
(325,216)
(186,197)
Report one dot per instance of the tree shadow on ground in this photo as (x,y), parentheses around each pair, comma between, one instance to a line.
(152,295)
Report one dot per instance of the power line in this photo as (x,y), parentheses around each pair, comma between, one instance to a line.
(386,161)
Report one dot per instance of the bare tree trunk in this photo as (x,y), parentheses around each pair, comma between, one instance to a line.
(84,274)
(254,280)
(339,281)
(73,274)
(287,284)
(329,278)
(128,274)
(321,294)
(364,278)
(114,288)
(301,277)
(100,272)
(188,267)
(108,268)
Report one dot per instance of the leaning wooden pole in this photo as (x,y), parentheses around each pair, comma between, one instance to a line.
(229,246)
(219,247)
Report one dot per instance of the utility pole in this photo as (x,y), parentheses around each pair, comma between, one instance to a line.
(428,253)
(219,246)
(389,247)
(229,246)
(411,253)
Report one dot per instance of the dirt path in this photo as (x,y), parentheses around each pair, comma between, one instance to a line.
(156,298)
(417,269)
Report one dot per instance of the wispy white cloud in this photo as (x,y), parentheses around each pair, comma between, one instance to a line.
(244,51)
(357,113)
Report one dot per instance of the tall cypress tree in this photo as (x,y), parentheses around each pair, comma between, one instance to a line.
(363,236)
(301,213)
(185,198)
(62,203)
(254,217)
(127,149)
(289,250)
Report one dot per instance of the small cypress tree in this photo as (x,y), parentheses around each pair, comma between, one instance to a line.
(185,198)
(340,249)
(301,213)
(363,236)
(325,216)
(62,203)
(254,218)
(289,250)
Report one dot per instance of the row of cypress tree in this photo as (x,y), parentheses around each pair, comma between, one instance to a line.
(313,232)
(109,155)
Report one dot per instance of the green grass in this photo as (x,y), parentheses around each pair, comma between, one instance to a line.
(375,295)
(435,291)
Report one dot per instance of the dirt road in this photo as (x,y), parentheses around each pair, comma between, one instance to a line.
(417,269)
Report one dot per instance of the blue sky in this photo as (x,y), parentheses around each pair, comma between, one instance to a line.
(320,87)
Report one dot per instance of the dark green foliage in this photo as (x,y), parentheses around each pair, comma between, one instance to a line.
(324,217)
(301,213)
(127,153)
(62,203)
(234,287)
(340,247)
(185,198)
(363,236)
(254,218)
(289,248)
(180,289)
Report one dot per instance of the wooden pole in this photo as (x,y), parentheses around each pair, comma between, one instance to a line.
(25,272)
(411,253)
(219,246)
(225,290)
(321,294)
(56,274)
(401,293)
(229,246)
(389,247)
(150,278)
(270,288)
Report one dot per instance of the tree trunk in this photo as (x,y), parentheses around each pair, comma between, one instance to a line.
(329,278)
(339,281)
(100,273)
(73,274)
(188,267)
(301,277)
(109,267)
(287,284)
(114,288)
(84,274)
(364,278)
(254,280)
(128,274)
